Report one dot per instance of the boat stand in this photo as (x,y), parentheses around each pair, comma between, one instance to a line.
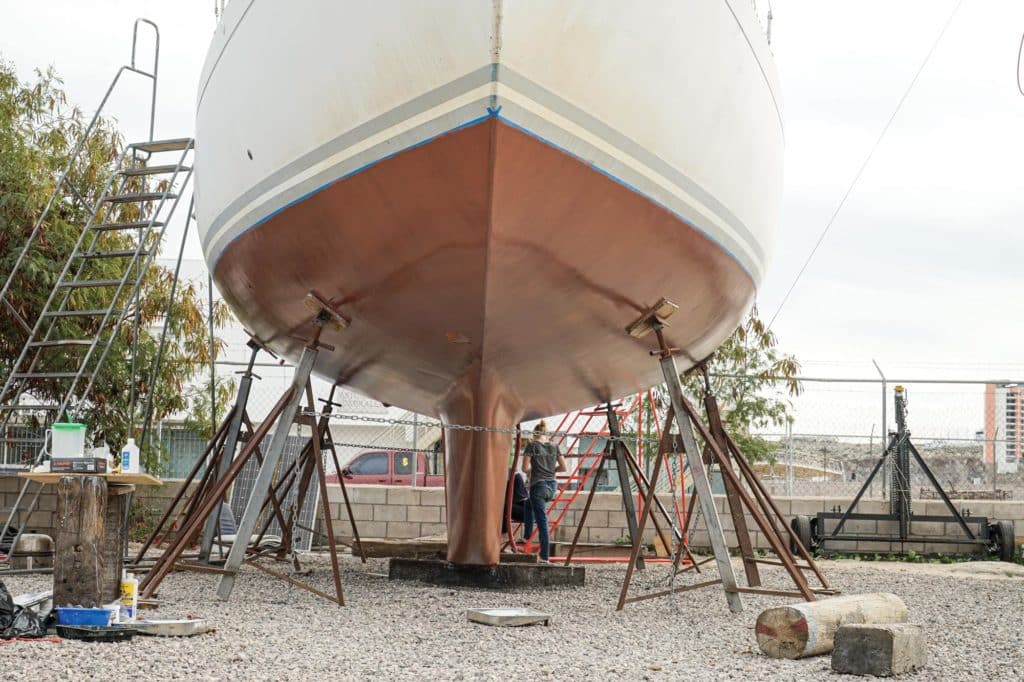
(718,449)
(266,493)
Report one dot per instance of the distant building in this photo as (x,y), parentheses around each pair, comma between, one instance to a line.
(1004,425)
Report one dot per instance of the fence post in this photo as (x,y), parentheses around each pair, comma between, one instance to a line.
(789,457)
(885,431)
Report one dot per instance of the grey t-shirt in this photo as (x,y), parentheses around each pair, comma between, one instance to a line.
(543,461)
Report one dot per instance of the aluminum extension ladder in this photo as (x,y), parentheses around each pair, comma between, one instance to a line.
(68,343)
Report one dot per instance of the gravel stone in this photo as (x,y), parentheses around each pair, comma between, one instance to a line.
(270,630)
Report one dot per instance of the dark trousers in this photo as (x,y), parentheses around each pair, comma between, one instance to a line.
(536,513)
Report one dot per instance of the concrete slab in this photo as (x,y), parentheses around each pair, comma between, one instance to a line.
(500,577)
(508,617)
(879,650)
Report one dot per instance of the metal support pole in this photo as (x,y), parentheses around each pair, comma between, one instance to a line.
(212,527)
(416,452)
(619,448)
(266,474)
(701,484)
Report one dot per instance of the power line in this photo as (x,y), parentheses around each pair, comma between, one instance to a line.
(864,165)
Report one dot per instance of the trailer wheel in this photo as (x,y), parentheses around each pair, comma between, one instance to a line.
(801,526)
(1003,542)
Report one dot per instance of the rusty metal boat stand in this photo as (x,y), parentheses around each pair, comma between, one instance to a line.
(269,490)
(720,450)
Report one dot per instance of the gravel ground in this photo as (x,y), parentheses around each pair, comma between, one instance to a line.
(270,630)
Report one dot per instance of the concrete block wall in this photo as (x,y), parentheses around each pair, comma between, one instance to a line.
(401,512)
(44,519)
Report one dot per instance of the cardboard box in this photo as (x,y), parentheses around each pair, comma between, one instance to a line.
(78,465)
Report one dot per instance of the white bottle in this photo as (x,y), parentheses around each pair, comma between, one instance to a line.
(129,598)
(130,458)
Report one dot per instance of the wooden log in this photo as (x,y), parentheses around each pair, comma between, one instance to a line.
(114,540)
(78,576)
(414,548)
(809,629)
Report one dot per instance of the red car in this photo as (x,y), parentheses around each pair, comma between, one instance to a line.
(389,467)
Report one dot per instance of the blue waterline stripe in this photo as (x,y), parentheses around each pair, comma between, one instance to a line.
(633,189)
(319,189)
(491,113)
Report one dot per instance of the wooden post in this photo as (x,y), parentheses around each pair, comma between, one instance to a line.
(800,630)
(89,550)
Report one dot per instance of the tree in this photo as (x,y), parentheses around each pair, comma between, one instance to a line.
(39,131)
(752,381)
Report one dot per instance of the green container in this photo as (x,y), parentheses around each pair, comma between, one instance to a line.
(67,439)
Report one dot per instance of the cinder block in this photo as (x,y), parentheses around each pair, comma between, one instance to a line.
(367,494)
(806,506)
(607,501)
(388,512)
(334,493)
(867,506)
(925,528)
(404,496)
(428,514)
(48,503)
(605,534)
(953,530)
(875,547)
(432,497)
(433,529)
(977,508)
(564,534)
(342,529)
(879,650)
(372,529)
(360,512)
(857,527)
(597,519)
(890,528)
(41,521)
(943,548)
(399,529)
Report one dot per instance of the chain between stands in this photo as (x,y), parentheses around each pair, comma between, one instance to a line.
(475,428)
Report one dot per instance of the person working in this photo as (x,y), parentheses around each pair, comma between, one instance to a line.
(541,460)
(520,500)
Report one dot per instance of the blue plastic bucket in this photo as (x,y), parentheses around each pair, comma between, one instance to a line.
(82,616)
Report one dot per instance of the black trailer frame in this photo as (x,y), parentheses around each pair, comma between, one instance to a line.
(825,530)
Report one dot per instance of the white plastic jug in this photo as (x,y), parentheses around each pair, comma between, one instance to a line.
(130,458)
(67,440)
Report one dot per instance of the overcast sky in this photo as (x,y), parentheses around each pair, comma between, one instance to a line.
(922,269)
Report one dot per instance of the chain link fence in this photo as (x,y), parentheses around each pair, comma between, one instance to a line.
(968,433)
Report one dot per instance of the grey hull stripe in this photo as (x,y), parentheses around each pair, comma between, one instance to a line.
(593,125)
(409,138)
(402,112)
(623,174)
(417,135)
